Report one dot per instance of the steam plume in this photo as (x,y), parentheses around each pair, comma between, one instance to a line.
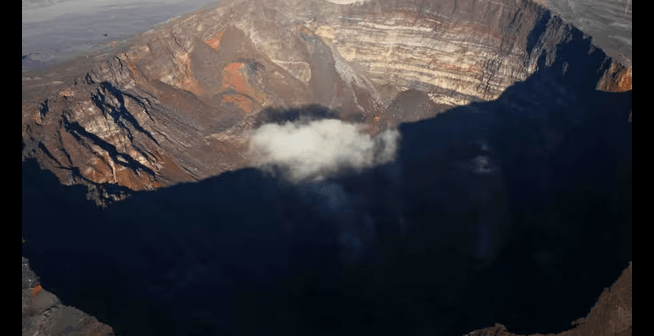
(319,148)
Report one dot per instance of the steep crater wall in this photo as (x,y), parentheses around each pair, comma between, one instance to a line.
(178,103)
(513,174)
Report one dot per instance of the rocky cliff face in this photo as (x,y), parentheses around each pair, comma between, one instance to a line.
(616,79)
(44,314)
(611,315)
(177,103)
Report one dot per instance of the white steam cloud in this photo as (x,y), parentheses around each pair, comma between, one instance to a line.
(319,148)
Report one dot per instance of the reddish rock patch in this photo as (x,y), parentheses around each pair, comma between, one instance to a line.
(236,89)
(616,79)
(241,101)
(215,42)
(235,79)
(35,291)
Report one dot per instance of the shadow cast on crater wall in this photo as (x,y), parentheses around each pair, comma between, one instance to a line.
(515,211)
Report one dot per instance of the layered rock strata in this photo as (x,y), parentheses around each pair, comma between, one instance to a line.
(177,103)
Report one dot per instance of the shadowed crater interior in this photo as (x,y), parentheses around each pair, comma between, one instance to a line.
(438,240)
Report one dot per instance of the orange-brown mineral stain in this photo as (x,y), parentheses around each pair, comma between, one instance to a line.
(616,79)
(215,42)
(234,79)
(101,172)
(137,182)
(35,291)
(241,101)
(624,83)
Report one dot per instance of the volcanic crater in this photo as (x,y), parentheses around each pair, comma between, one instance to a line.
(503,195)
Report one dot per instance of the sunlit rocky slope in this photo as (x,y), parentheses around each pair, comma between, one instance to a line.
(178,102)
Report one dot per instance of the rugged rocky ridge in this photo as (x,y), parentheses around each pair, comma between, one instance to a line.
(616,79)
(177,103)
(608,22)
(44,314)
(611,314)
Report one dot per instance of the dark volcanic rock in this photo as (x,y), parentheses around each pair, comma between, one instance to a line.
(44,314)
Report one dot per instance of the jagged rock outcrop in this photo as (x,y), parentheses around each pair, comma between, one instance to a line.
(611,314)
(44,314)
(177,103)
(616,79)
(608,22)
